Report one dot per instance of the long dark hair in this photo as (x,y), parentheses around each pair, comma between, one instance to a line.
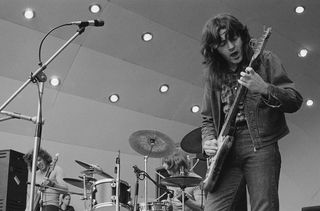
(42,154)
(216,65)
(177,161)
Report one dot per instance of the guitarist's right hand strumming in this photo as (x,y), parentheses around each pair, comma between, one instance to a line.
(210,147)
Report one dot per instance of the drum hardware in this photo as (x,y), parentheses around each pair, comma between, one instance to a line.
(150,143)
(140,174)
(153,206)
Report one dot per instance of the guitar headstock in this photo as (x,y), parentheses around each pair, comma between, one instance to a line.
(54,161)
(259,45)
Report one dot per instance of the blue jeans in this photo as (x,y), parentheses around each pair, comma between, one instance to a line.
(258,169)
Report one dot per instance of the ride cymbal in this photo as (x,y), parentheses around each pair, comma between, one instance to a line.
(151,143)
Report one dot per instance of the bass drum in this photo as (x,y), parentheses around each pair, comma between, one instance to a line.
(103,195)
(153,206)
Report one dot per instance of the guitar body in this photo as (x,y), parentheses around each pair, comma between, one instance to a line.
(216,163)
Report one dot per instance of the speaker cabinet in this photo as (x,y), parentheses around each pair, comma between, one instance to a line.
(13,181)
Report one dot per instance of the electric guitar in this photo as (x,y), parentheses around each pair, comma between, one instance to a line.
(225,138)
(36,201)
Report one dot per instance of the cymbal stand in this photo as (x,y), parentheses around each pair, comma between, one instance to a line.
(152,143)
(118,182)
(84,178)
(182,193)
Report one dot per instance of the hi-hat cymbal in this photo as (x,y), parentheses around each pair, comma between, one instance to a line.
(181,181)
(93,169)
(77,182)
(191,142)
(151,143)
(88,178)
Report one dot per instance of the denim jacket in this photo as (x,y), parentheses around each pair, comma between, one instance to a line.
(265,115)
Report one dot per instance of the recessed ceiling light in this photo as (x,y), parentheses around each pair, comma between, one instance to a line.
(299,9)
(54,81)
(28,13)
(114,98)
(303,53)
(195,109)
(309,103)
(94,8)
(164,88)
(147,36)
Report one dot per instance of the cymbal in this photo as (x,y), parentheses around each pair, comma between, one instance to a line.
(57,189)
(90,172)
(93,169)
(77,182)
(181,181)
(191,142)
(151,143)
(89,179)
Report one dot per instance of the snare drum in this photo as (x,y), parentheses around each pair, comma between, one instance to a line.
(104,195)
(153,206)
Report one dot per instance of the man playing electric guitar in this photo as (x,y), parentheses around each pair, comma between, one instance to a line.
(254,158)
(48,175)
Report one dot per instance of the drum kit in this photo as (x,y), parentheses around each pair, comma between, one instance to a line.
(115,194)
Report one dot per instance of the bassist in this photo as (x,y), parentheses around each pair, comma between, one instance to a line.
(46,177)
(254,158)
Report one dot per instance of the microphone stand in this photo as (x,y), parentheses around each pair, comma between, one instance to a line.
(152,143)
(135,200)
(37,77)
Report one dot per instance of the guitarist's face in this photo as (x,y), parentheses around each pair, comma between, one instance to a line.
(230,48)
(41,164)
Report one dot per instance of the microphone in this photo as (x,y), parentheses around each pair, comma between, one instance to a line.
(136,169)
(96,23)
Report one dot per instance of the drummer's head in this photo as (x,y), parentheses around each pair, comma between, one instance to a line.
(65,199)
(177,163)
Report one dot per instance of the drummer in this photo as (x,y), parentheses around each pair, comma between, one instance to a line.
(178,164)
